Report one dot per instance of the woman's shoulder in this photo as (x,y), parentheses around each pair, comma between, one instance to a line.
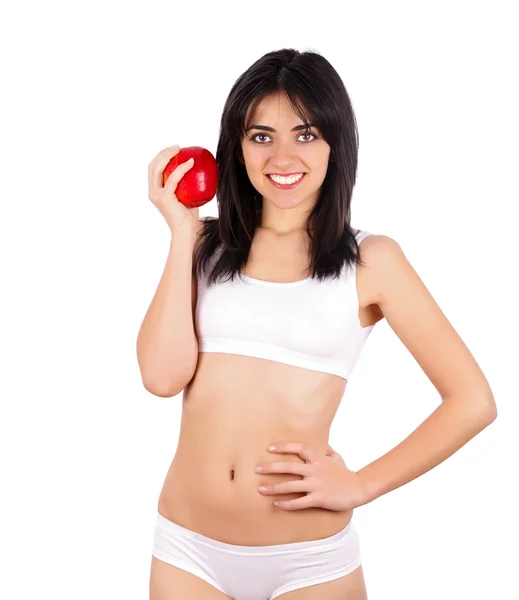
(377,243)
(384,263)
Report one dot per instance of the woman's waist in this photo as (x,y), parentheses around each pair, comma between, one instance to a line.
(222,470)
(220,498)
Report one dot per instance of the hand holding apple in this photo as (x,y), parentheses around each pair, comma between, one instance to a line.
(177,216)
(198,186)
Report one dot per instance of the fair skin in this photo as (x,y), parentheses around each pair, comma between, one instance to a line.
(284,151)
(234,406)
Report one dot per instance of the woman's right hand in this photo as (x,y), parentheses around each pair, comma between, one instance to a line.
(178,216)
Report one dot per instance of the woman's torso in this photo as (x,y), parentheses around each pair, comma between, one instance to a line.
(233,408)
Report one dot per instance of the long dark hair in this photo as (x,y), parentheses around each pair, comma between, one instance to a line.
(310,83)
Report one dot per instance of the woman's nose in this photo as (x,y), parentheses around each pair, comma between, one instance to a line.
(283,153)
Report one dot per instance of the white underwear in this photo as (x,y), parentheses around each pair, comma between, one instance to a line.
(257,572)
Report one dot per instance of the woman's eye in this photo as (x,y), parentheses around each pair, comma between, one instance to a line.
(307,134)
(258,135)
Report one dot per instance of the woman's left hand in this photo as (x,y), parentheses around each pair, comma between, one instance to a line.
(328,482)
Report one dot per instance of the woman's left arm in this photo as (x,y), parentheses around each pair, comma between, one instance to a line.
(446,430)
(467,406)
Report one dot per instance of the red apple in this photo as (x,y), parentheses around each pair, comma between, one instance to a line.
(198,185)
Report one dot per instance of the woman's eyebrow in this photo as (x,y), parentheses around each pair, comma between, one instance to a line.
(272,130)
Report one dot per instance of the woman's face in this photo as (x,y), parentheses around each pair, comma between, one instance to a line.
(280,150)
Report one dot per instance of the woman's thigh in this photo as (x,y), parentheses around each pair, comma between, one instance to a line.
(171,583)
(348,587)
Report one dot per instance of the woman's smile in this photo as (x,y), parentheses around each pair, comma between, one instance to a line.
(291,182)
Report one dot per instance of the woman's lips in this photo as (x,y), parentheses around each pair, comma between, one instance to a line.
(288,186)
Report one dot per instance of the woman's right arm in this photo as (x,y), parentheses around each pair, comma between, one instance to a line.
(167,346)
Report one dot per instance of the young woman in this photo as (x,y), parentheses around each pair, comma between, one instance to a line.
(259,318)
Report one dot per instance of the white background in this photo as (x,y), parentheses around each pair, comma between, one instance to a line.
(91,93)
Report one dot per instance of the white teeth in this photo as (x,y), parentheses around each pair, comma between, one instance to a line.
(286,180)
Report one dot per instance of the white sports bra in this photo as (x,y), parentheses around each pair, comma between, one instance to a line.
(309,324)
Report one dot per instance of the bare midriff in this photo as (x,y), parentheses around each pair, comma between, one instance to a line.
(233,409)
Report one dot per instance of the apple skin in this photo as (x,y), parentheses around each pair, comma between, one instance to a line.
(198,185)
